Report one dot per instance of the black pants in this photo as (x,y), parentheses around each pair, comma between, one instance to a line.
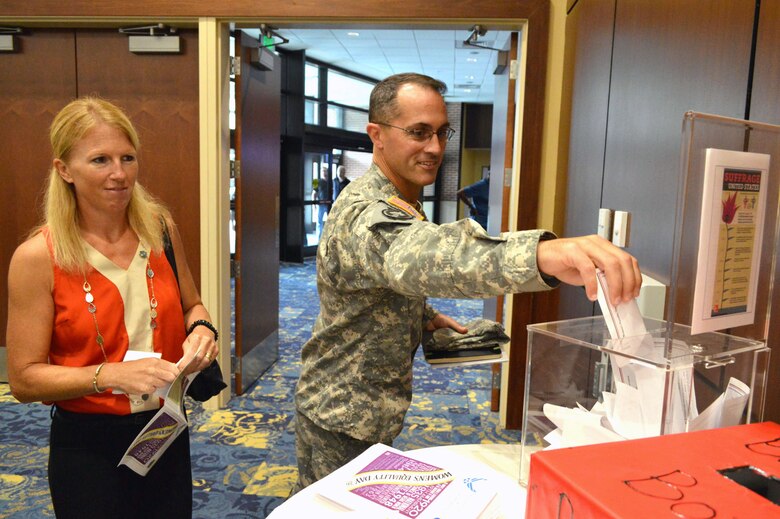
(86,483)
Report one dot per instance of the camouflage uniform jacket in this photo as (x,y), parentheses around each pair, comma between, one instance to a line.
(377,260)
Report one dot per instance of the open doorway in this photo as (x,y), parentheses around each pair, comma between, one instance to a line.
(325,109)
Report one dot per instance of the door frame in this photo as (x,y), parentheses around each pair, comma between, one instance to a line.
(521,309)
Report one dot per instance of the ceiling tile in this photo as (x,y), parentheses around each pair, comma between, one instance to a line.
(377,53)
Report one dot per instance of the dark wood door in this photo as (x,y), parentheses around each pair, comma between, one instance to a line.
(35,82)
(258,151)
(631,89)
(669,57)
(638,66)
(159,92)
(589,31)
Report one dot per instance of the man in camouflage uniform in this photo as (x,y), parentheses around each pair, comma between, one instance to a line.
(379,258)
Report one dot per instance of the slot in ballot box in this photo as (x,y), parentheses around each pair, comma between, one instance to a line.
(728,472)
(583,388)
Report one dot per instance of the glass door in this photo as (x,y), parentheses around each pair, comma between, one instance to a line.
(318,172)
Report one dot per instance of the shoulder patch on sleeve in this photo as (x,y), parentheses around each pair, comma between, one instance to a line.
(393,211)
(405,207)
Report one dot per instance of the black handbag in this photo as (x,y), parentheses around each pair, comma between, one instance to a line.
(207,384)
(209,381)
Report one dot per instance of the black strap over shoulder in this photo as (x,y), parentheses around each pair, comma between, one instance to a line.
(168,248)
(209,382)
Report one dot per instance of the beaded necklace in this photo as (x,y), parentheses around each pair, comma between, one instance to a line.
(92,308)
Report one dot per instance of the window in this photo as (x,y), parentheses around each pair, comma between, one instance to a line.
(311,89)
(336,99)
(348,91)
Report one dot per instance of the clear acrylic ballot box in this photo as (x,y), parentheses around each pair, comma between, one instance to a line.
(706,364)
(583,387)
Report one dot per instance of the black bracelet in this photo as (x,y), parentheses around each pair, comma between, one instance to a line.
(203,322)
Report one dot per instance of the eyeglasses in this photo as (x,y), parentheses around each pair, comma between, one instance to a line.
(420,135)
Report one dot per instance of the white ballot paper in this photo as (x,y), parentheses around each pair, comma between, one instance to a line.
(623,320)
(137,355)
(162,429)
(726,410)
(636,408)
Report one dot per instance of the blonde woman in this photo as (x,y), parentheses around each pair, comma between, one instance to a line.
(97,320)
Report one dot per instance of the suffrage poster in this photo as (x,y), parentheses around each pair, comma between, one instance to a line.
(730,234)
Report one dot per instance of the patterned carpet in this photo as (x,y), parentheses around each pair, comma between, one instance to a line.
(243,456)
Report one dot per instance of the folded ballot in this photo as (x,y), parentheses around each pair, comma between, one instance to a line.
(164,427)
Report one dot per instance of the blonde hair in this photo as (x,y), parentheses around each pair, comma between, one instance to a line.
(145,214)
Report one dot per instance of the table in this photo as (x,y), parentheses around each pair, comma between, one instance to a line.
(502,459)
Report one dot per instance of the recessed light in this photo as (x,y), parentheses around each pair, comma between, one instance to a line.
(353,34)
(471,60)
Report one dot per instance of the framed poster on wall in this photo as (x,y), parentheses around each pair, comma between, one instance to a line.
(730,235)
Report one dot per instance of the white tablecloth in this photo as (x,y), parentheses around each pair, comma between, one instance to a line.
(502,459)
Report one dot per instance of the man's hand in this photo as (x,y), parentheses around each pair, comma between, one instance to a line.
(445,321)
(574,261)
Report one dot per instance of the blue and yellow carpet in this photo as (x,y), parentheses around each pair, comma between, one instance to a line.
(243,457)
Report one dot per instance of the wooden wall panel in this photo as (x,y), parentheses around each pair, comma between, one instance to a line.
(35,82)
(418,12)
(765,107)
(765,95)
(530,307)
(669,57)
(589,32)
(159,92)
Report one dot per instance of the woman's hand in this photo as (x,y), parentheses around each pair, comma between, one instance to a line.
(200,350)
(137,377)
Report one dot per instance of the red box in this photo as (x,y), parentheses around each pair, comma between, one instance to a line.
(676,475)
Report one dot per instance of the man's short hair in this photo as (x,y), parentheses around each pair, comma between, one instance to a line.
(383,105)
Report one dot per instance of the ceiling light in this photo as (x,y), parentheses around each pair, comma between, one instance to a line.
(471,60)
(353,34)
